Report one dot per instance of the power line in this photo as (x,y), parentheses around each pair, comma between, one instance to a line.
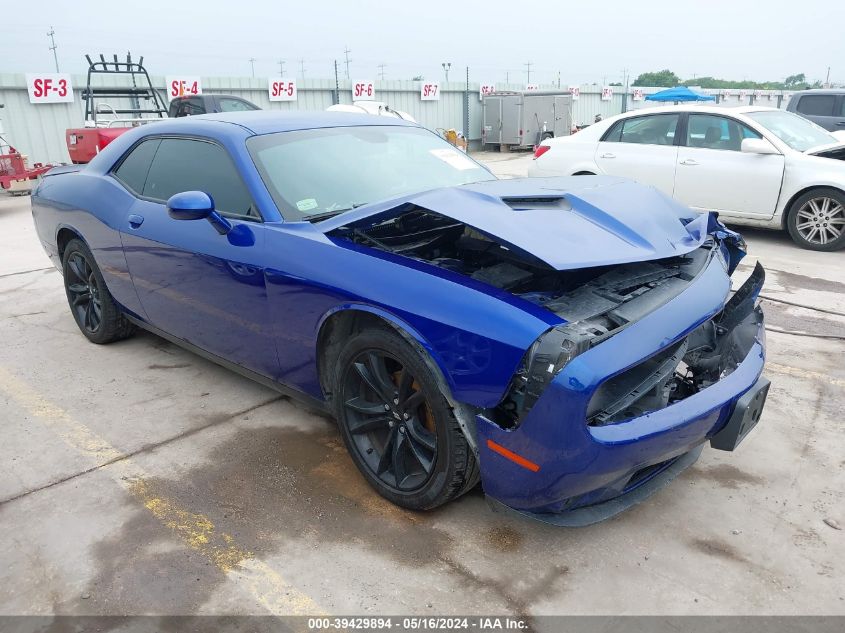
(53,47)
(346,52)
(381,71)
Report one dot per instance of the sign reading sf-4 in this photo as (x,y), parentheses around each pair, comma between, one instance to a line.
(282,90)
(49,88)
(363,91)
(182,86)
(430,92)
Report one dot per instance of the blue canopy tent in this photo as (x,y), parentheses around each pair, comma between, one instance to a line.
(680,93)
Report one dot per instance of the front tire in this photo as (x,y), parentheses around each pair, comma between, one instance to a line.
(816,220)
(398,427)
(91,304)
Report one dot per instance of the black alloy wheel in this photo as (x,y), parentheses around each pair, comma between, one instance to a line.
(83,293)
(397,422)
(389,420)
(95,312)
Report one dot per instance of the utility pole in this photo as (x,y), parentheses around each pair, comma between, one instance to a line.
(252,63)
(336,95)
(281,68)
(507,77)
(558,80)
(302,67)
(446,66)
(625,96)
(56,58)
(528,66)
(381,71)
(346,52)
(826,81)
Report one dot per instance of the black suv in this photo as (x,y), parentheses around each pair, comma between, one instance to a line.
(192,105)
(823,107)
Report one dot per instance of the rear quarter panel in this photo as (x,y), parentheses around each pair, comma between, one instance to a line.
(93,207)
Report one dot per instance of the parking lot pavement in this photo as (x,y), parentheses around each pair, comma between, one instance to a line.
(139,478)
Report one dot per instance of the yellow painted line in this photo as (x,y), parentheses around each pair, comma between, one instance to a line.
(263,583)
(804,373)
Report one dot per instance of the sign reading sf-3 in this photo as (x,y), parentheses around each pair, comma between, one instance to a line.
(753,165)
(572,344)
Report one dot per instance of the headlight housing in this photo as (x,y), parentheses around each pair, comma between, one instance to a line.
(546,357)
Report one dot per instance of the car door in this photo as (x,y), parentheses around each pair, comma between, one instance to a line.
(714,174)
(642,148)
(193,283)
(824,110)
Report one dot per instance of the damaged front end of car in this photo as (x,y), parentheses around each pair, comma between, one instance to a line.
(647,355)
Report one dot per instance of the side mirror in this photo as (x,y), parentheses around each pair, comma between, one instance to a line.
(197,205)
(758,146)
(190,205)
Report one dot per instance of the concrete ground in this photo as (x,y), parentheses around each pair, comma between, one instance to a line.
(139,478)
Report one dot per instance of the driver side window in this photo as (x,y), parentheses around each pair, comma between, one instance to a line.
(193,165)
(717,132)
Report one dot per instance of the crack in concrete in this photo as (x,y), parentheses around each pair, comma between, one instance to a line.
(146,448)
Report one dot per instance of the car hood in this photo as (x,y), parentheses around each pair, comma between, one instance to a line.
(567,223)
(821,149)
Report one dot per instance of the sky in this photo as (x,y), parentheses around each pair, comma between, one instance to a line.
(591,41)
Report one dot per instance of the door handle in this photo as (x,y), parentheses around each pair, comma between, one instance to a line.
(608,155)
(841,123)
(135,220)
(689,161)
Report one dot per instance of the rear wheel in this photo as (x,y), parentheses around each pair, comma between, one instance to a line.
(816,220)
(91,304)
(397,425)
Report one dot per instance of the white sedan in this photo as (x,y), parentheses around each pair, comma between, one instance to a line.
(756,166)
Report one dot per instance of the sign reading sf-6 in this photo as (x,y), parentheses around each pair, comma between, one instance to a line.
(182,86)
(430,92)
(282,90)
(363,91)
(49,88)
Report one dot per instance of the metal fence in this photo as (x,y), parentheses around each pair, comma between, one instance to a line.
(39,130)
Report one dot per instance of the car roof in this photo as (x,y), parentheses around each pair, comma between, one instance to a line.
(269,121)
(688,107)
(820,91)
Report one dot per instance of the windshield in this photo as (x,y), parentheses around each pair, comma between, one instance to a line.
(313,174)
(795,131)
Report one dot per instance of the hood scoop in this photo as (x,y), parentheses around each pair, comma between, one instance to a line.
(565,223)
(525,203)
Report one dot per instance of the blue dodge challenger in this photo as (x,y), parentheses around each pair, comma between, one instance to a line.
(570,342)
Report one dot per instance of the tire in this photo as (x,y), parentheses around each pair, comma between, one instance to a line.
(396,423)
(816,220)
(90,302)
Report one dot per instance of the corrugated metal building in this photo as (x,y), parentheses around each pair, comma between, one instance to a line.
(39,130)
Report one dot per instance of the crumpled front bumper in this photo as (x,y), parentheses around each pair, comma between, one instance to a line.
(604,469)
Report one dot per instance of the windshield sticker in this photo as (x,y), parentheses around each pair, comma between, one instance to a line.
(307,204)
(453,158)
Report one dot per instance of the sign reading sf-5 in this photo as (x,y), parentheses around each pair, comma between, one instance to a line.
(571,343)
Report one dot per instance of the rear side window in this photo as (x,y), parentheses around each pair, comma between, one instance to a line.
(132,172)
(658,129)
(234,105)
(816,105)
(191,165)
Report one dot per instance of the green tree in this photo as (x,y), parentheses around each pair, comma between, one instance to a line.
(662,78)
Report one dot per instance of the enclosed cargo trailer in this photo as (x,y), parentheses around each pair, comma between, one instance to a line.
(521,120)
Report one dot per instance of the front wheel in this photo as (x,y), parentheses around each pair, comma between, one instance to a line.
(91,304)
(397,425)
(816,220)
